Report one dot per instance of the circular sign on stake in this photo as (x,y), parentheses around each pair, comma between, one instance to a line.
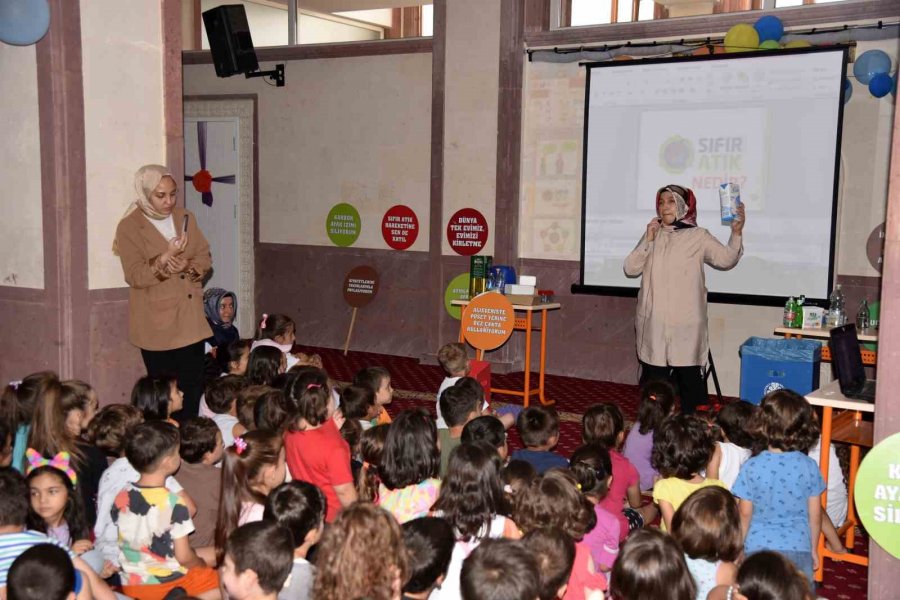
(467,231)
(457,289)
(360,286)
(400,227)
(876,492)
(343,224)
(488,320)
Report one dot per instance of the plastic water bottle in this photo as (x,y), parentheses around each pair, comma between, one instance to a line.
(788,320)
(862,317)
(836,314)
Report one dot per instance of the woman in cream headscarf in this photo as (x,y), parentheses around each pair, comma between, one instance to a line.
(164,263)
(670,325)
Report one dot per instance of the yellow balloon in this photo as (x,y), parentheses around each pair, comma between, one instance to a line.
(770,45)
(798,44)
(741,38)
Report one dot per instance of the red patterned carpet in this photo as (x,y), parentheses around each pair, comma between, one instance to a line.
(416,384)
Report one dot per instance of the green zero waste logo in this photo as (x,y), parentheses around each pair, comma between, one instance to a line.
(877,494)
(457,289)
(343,224)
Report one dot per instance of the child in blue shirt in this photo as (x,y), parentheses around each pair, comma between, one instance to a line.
(780,487)
(539,429)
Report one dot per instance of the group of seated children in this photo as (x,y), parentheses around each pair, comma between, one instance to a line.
(292,487)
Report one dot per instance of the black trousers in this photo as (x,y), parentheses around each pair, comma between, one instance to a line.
(687,380)
(186,366)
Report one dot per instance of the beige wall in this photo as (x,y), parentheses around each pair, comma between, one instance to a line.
(21,232)
(550,209)
(353,130)
(470,111)
(123,117)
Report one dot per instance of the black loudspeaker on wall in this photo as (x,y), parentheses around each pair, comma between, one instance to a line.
(229,40)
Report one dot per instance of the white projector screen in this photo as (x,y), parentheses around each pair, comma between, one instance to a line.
(770,122)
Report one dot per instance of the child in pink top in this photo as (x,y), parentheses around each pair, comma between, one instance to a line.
(315,450)
(603,424)
(592,468)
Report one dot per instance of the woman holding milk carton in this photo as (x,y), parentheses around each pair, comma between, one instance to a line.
(670,324)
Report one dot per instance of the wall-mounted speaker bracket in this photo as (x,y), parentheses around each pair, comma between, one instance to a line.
(277,75)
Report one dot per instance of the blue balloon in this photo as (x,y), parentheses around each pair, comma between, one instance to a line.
(769,28)
(848,90)
(871,63)
(23,22)
(880,85)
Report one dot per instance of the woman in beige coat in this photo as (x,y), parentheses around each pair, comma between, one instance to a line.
(670,325)
(165,258)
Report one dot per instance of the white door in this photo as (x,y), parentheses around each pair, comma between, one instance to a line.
(211,168)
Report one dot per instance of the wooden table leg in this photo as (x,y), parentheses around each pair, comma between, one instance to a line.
(527,389)
(823,466)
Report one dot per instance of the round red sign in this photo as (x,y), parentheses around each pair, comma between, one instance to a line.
(400,227)
(467,231)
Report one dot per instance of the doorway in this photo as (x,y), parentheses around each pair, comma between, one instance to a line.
(219,190)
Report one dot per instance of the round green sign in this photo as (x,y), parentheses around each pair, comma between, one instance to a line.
(343,224)
(877,494)
(457,289)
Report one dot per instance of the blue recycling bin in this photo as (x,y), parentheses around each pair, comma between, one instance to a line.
(771,364)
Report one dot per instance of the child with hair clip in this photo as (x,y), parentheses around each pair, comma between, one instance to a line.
(592,469)
(651,565)
(553,500)
(277,331)
(221,397)
(733,450)
(264,365)
(766,575)
(371,449)
(17,406)
(604,424)
(487,429)
(251,468)
(471,500)
(377,379)
(410,463)
(657,403)
(55,508)
(682,448)
(56,428)
(361,555)
(780,487)
(157,398)
(516,476)
(708,528)
(299,507)
(316,452)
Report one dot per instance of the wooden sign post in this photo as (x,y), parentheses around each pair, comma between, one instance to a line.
(360,287)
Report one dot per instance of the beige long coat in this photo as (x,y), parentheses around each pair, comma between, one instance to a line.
(165,312)
(670,325)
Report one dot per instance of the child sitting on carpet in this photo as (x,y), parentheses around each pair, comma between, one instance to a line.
(455,362)
(429,546)
(592,469)
(358,404)
(377,379)
(604,424)
(651,565)
(682,448)
(487,429)
(154,523)
(410,463)
(733,450)
(539,428)
(221,398)
(257,561)
(657,403)
(459,404)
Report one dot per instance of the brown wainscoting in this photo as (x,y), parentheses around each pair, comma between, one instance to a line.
(310,51)
(800,16)
(114,363)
